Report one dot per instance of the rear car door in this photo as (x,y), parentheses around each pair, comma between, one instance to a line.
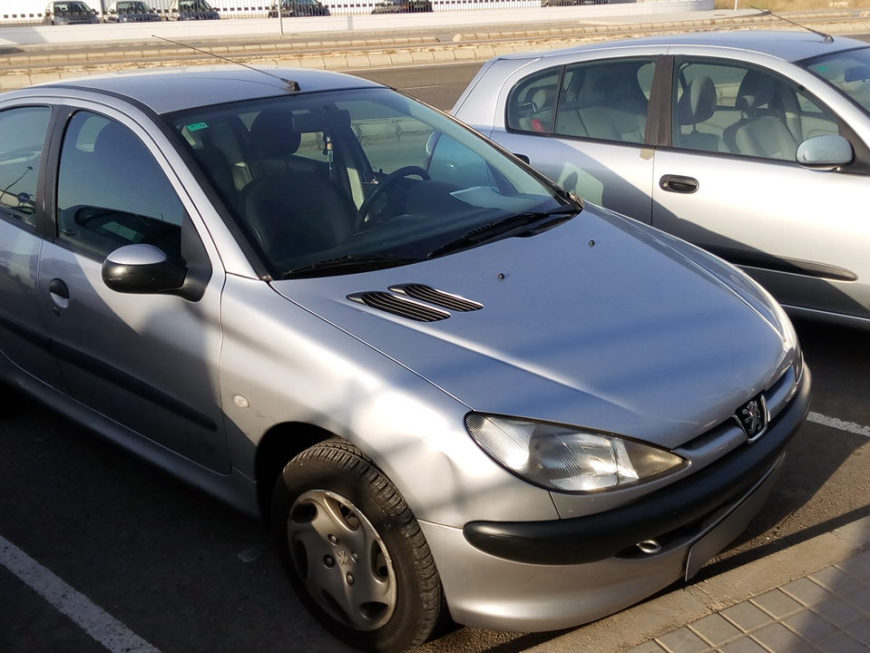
(147,361)
(730,183)
(24,327)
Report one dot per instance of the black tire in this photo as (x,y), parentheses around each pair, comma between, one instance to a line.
(353,550)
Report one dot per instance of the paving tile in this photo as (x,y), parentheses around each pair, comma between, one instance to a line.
(837,580)
(777,637)
(777,603)
(715,629)
(806,591)
(809,625)
(743,645)
(837,611)
(860,630)
(745,616)
(647,647)
(858,566)
(682,640)
(860,598)
(840,642)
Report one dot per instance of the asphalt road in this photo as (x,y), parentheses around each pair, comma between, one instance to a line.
(185,573)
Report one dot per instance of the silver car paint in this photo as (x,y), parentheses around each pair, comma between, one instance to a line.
(300,352)
(779,208)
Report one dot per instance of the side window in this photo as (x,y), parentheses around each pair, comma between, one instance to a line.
(111,192)
(22,135)
(606,101)
(740,110)
(531,104)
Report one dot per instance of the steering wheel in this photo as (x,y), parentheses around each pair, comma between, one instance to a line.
(387,182)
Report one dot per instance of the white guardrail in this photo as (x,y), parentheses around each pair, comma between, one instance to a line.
(33,11)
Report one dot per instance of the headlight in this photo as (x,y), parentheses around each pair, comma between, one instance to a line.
(568,458)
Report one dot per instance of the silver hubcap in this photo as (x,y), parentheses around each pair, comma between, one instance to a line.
(342,559)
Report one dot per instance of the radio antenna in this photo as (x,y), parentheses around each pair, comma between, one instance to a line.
(293,86)
(766,12)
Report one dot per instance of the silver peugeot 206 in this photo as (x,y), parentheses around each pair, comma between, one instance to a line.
(448,383)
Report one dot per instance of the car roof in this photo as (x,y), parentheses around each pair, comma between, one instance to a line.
(178,89)
(786,45)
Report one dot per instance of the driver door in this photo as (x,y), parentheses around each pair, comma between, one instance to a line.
(149,362)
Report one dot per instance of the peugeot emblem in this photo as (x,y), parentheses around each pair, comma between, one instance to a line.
(752,417)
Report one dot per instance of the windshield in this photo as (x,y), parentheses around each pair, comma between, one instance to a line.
(194,5)
(365,176)
(132,7)
(848,72)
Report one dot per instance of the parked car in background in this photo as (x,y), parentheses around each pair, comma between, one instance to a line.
(291,8)
(444,380)
(192,10)
(402,6)
(130,11)
(69,12)
(753,145)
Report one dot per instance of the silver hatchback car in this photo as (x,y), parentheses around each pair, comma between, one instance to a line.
(445,380)
(753,145)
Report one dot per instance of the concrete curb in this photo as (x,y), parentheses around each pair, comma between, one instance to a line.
(662,614)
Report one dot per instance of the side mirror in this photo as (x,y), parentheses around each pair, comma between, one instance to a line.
(827,151)
(143,269)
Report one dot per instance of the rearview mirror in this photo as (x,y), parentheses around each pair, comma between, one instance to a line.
(829,150)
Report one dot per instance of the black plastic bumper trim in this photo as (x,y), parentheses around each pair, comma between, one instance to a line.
(604,535)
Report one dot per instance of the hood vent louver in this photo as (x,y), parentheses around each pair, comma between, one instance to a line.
(439,297)
(398,305)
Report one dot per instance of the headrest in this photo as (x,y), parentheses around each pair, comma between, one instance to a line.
(755,91)
(273,133)
(698,102)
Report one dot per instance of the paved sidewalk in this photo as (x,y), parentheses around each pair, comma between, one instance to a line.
(811,597)
(828,610)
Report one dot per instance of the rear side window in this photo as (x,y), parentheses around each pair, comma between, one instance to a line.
(22,136)
(605,101)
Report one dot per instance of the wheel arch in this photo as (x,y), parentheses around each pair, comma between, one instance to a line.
(276,448)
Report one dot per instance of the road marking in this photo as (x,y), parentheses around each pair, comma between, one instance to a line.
(839,424)
(97,623)
(417,88)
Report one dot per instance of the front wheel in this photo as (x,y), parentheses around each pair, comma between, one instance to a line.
(353,551)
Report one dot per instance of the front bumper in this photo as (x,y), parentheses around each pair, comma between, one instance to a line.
(535,576)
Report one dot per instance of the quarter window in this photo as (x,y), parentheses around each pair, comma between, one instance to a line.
(22,135)
(741,110)
(532,103)
(111,192)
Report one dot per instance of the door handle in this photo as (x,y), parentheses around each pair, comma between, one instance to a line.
(679,184)
(59,292)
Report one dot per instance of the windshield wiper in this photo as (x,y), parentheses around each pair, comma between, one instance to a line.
(349,264)
(526,224)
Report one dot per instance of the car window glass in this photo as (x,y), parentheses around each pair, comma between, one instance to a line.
(606,101)
(353,175)
(22,134)
(735,109)
(111,192)
(848,72)
(532,102)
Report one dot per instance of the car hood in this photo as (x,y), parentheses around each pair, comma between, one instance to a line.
(600,322)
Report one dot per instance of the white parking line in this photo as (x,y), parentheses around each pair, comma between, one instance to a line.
(836,423)
(97,623)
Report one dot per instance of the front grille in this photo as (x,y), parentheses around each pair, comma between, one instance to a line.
(398,305)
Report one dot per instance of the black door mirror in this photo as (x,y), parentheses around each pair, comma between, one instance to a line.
(143,269)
